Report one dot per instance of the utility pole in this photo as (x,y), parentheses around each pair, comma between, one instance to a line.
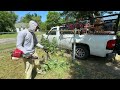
(74,45)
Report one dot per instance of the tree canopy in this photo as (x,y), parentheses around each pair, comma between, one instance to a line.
(7,21)
(29,17)
(52,19)
(78,14)
(43,26)
(82,14)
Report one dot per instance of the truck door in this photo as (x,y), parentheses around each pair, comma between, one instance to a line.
(65,39)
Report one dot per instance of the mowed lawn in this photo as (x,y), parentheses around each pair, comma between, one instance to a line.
(62,66)
(10,69)
(14,69)
(3,36)
(14,35)
(94,68)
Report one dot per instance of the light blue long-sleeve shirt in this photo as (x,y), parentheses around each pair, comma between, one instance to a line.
(26,41)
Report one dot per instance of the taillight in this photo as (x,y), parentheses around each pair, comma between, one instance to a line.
(110,44)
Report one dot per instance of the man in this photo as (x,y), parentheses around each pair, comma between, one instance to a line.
(26,42)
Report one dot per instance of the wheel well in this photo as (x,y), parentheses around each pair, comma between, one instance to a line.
(81,44)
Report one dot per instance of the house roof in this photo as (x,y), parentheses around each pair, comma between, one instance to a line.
(21,25)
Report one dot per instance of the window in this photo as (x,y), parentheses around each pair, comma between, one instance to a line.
(63,28)
(54,28)
(53,32)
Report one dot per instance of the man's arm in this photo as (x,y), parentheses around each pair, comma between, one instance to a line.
(39,45)
(36,42)
(20,41)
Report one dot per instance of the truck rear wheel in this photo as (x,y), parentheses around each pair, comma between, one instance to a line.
(81,52)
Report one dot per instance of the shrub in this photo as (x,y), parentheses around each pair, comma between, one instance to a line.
(51,46)
(58,63)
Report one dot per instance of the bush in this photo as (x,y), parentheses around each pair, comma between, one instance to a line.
(56,64)
(51,46)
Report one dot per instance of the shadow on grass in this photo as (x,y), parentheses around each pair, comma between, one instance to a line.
(94,68)
(34,73)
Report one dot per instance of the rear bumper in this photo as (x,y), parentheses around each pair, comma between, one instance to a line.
(109,56)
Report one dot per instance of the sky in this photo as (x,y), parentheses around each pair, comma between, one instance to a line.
(41,13)
(111,17)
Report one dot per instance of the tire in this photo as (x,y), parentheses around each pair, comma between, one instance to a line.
(85,52)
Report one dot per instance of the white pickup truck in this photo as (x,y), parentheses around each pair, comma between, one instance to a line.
(86,44)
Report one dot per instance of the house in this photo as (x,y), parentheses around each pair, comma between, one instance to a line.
(21,26)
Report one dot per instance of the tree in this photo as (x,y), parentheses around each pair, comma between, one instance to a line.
(29,17)
(43,26)
(7,21)
(82,14)
(78,14)
(61,21)
(52,19)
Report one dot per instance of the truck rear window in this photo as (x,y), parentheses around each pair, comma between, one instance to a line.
(52,32)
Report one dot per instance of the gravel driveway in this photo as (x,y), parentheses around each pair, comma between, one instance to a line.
(8,40)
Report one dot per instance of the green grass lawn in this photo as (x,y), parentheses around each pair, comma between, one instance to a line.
(15,35)
(65,68)
(8,36)
(60,66)
(10,69)
(7,46)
